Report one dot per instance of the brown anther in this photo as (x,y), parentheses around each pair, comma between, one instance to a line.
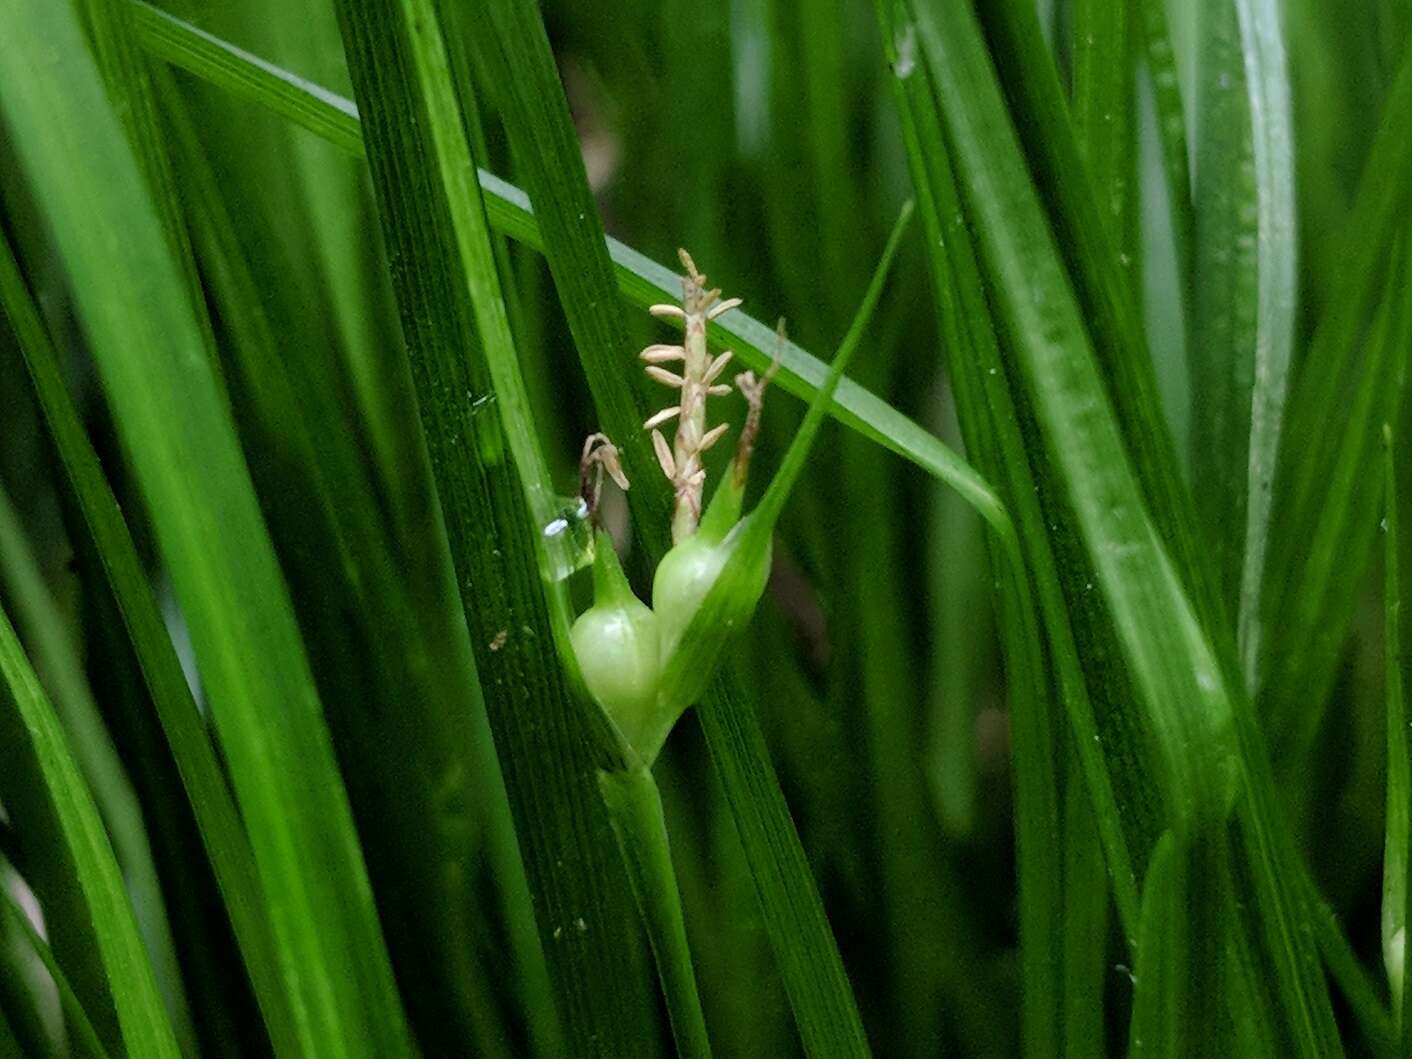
(753,390)
(599,456)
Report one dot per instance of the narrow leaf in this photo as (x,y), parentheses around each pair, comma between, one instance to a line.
(85,1038)
(1323,536)
(642,281)
(1227,271)
(1271,119)
(1163,957)
(207,789)
(40,780)
(1200,729)
(551,739)
(1396,898)
(1099,264)
(56,660)
(176,429)
(1172,131)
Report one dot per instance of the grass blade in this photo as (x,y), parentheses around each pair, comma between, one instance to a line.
(460,347)
(641,280)
(85,1037)
(1093,251)
(820,991)
(1267,81)
(1225,288)
(78,875)
(1104,113)
(508,40)
(123,68)
(175,426)
(1171,127)
(1181,684)
(1163,963)
(55,658)
(379,586)
(1271,119)
(991,430)
(207,790)
(1327,514)
(1396,897)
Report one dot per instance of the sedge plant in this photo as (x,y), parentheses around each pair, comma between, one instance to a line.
(645,665)
(1091,740)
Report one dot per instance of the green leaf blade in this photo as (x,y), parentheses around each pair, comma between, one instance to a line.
(1396,899)
(37,757)
(175,424)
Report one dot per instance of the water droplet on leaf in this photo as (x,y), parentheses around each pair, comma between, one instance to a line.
(568,538)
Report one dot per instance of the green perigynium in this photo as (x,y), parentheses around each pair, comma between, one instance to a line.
(617,643)
(687,572)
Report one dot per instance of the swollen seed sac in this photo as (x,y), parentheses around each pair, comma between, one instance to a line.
(684,577)
(619,654)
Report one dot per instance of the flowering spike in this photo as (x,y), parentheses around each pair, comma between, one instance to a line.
(699,371)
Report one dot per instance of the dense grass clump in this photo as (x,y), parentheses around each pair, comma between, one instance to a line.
(1039,690)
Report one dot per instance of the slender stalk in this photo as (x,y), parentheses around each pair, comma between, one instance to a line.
(635,810)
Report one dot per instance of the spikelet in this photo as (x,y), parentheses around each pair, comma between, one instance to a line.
(696,379)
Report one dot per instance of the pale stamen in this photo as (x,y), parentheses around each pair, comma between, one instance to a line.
(699,372)
(662,354)
(723,308)
(664,454)
(712,436)
(661,417)
(717,366)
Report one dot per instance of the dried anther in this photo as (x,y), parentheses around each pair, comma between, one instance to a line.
(600,457)
(753,390)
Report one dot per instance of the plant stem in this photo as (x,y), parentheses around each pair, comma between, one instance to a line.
(635,809)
